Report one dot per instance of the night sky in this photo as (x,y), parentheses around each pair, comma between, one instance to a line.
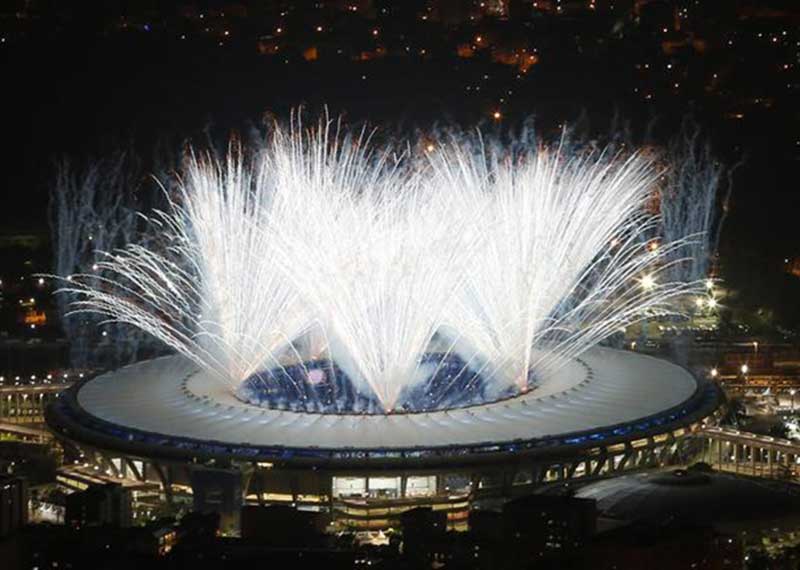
(76,92)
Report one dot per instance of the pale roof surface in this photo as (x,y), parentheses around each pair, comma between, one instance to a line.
(168,396)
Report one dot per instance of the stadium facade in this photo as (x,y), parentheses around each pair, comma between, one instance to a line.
(167,422)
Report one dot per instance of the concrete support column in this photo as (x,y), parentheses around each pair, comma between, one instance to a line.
(475,480)
(626,457)
(102,461)
(507,482)
(248,470)
(164,478)
(259,485)
(295,486)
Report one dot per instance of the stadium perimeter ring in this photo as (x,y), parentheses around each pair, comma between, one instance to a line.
(608,411)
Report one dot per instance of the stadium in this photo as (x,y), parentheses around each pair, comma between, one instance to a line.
(606,413)
(435,336)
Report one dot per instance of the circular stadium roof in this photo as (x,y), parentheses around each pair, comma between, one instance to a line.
(605,387)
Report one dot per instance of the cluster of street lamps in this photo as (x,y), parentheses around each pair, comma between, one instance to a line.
(744,369)
(710,300)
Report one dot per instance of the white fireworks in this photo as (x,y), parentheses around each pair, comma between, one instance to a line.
(327,246)
(561,263)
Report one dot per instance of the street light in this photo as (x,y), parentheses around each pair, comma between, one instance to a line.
(714,372)
(648,282)
(744,368)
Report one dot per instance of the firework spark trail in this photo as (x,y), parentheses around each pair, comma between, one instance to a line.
(521,260)
(199,297)
(547,282)
(379,262)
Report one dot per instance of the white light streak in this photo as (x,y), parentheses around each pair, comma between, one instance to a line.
(545,286)
(327,245)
